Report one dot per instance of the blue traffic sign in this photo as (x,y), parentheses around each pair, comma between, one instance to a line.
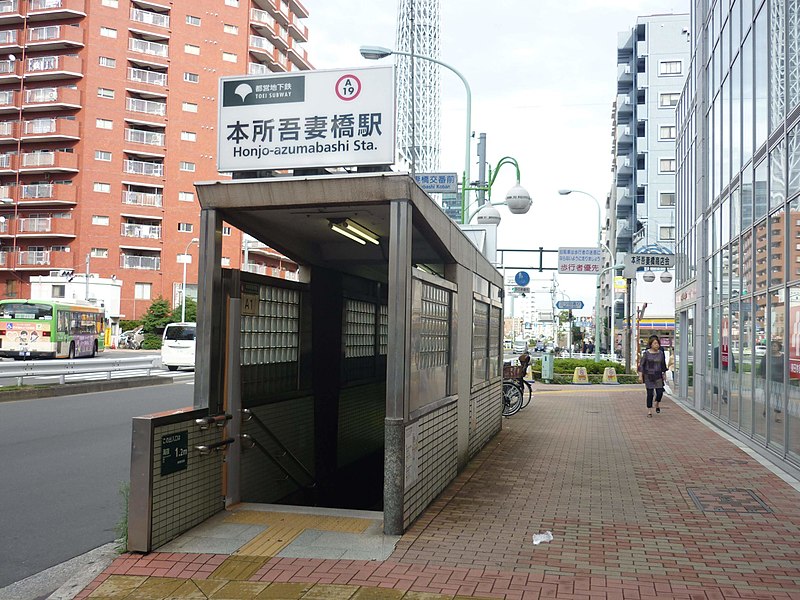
(569,304)
(522,278)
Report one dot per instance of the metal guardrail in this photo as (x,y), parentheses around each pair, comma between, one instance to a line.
(62,368)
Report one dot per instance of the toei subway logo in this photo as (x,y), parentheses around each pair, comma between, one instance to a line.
(273,90)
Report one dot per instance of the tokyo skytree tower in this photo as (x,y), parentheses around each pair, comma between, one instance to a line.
(418,116)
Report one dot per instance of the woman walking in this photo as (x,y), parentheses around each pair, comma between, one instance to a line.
(653,372)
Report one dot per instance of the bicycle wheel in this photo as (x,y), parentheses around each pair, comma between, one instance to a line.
(512,399)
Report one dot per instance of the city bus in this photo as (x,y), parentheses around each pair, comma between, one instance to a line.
(50,329)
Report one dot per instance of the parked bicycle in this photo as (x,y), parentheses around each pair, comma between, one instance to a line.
(513,389)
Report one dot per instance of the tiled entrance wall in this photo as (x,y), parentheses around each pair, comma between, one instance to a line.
(485,414)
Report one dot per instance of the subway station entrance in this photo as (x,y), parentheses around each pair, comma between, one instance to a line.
(369,383)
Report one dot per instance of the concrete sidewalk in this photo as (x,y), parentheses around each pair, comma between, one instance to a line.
(661,507)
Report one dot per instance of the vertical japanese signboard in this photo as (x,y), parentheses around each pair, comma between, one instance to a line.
(306,119)
(587,261)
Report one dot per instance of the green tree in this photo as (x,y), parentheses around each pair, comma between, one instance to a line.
(157,317)
(191,311)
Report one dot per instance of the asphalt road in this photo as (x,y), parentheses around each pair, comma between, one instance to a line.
(63,462)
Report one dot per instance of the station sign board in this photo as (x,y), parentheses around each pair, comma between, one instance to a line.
(325,118)
(580,261)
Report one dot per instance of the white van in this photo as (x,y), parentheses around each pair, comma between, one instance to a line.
(178,345)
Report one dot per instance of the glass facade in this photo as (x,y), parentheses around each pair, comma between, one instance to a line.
(738,153)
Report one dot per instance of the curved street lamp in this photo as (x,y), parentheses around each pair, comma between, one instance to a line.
(517,199)
(379,52)
(183,287)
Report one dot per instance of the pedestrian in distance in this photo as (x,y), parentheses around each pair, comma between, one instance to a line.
(653,372)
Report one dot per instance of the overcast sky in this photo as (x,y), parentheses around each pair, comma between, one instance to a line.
(543,78)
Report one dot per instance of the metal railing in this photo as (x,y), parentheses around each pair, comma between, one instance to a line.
(140,136)
(146,106)
(150,77)
(38,159)
(142,199)
(145,47)
(38,190)
(33,258)
(8,6)
(9,36)
(150,18)
(262,17)
(43,34)
(61,368)
(141,167)
(256,41)
(136,230)
(35,225)
(40,126)
(49,94)
(146,263)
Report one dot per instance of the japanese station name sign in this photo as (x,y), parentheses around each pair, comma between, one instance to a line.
(439,183)
(305,119)
(580,261)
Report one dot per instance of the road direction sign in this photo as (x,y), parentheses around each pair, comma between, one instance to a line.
(569,304)
(520,289)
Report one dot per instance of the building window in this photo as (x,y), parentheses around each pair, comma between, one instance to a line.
(234,3)
(108,32)
(226,230)
(232,29)
(230,57)
(191,49)
(104,124)
(669,100)
(666,199)
(192,20)
(187,166)
(110,3)
(102,155)
(105,93)
(191,77)
(188,136)
(186,227)
(100,220)
(666,165)
(225,262)
(670,67)
(141,291)
(189,107)
(186,196)
(667,132)
(666,233)
(58,291)
(99,252)
(103,188)
(106,61)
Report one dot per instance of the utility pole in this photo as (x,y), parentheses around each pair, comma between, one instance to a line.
(88,260)
(481,169)
(629,327)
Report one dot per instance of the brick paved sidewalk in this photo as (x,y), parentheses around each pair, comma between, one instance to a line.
(639,507)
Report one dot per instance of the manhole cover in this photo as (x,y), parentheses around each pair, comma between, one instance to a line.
(728,500)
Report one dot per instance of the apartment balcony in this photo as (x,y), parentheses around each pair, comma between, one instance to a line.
(147,17)
(624,107)
(55,37)
(625,44)
(298,9)
(274,8)
(157,79)
(624,139)
(146,263)
(261,47)
(147,107)
(9,12)
(39,10)
(8,132)
(298,31)
(624,172)
(142,199)
(149,48)
(45,68)
(143,167)
(45,227)
(135,230)
(10,71)
(48,194)
(49,130)
(8,163)
(147,138)
(49,161)
(300,59)
(9,40)
(257,69)
(51,98)
(33,258)
(261,20)
(624,78)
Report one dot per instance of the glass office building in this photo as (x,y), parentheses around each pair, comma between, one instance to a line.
(738,227)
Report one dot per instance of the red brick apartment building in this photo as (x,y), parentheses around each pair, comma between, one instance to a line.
(108,114)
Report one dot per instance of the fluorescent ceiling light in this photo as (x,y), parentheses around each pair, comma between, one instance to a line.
(360,231)
(341,230)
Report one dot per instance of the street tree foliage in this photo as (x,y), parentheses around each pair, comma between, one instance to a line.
(191,311)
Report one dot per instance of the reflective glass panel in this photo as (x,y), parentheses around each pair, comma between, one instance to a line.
(761,262)
(746,368)
(793,352)
(777,250)
(793,223)
(759,352)
(775,363)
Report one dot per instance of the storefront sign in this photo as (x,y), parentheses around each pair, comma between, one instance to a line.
(686,295)
(306,119)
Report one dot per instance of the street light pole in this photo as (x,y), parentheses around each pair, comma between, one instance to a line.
(600,245)
(378,52)
(183,286)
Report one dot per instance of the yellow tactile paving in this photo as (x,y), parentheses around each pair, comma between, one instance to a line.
(118,586)
(156,589)
(330,591)
(285,591)
(239,567)
(187,591)
(238,590)
(283,528)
